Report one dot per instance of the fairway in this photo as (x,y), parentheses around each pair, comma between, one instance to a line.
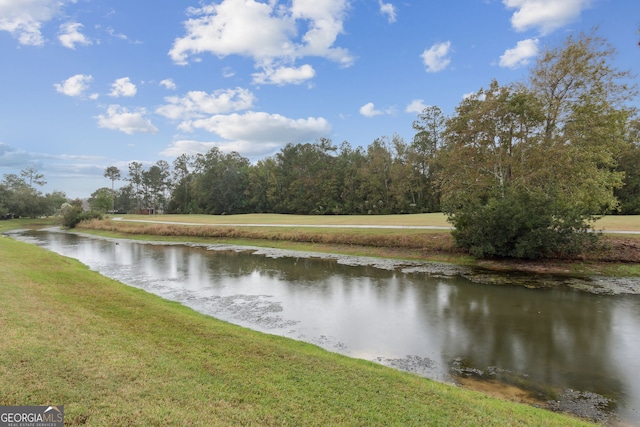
(609,222)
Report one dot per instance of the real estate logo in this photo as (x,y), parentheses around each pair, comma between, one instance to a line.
(31,416)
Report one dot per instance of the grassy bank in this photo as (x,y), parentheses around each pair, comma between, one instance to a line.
(619,255)
(115,355)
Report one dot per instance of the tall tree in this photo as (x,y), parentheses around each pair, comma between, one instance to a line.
(155,185)
(182,178)
(32,176)
(528,167)
(135,178)
(113,173)
(428,139)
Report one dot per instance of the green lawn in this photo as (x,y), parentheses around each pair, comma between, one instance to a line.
(609,222)
(115,355)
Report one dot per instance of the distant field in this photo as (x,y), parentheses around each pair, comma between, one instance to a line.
(431,219)
(611,222)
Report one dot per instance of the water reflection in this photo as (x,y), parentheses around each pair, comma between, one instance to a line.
(553,338)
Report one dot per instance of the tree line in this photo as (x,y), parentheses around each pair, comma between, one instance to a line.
(388,176)
(20,196)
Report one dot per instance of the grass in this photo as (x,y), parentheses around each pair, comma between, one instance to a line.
(115,355)
(609,222)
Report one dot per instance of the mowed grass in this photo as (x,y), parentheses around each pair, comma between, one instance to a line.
(117,356)
(608,222)
(429,219)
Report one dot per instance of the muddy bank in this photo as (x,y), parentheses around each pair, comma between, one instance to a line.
(592,284)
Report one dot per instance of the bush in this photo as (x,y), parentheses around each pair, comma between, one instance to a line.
(521,225)
(74,215)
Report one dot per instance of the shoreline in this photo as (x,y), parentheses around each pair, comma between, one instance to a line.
(618,256)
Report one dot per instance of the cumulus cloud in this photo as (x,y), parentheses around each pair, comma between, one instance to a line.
(369,110)
(130,122)
(248,149)
(436,58)
(75,85)
(199,104)
(545,15)
(168,84)
(389,10)
(519,55)
(285,75)
(70,35)
(123,87)
(267,32)
(416,106)
(260,127)
(254,134)
(24,19)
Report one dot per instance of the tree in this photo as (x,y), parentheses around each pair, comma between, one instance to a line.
(113,173)
(32,176)
(20,197)
(101,200)
(182,178)
(527,168)
(155,184)
(629,163)
(135,178)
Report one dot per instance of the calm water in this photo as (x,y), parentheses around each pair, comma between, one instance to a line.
(556,338)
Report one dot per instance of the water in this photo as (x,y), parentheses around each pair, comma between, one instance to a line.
(436,325)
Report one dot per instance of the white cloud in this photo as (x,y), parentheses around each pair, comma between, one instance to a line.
(74,85)
(388,9)
(520,55)
(121,36)
(416,106)
(259,128)
(120,118)
(285,75)
(369,110)
(545,15)
(24,18)
(248,149)
(264,31)
(436,57)
(70,35)
(123,87)
(168,84)
(198,104)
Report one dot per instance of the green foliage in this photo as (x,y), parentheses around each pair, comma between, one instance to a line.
(521,225)
(629,164)
(73,215)
(101,200)
(527,168)
(20,198)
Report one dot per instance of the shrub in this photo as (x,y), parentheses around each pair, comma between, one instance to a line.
(521,225)
(74,215)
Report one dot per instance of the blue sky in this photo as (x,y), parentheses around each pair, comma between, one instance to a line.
(87,84)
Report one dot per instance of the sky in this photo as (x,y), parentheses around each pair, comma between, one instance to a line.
(88,84)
